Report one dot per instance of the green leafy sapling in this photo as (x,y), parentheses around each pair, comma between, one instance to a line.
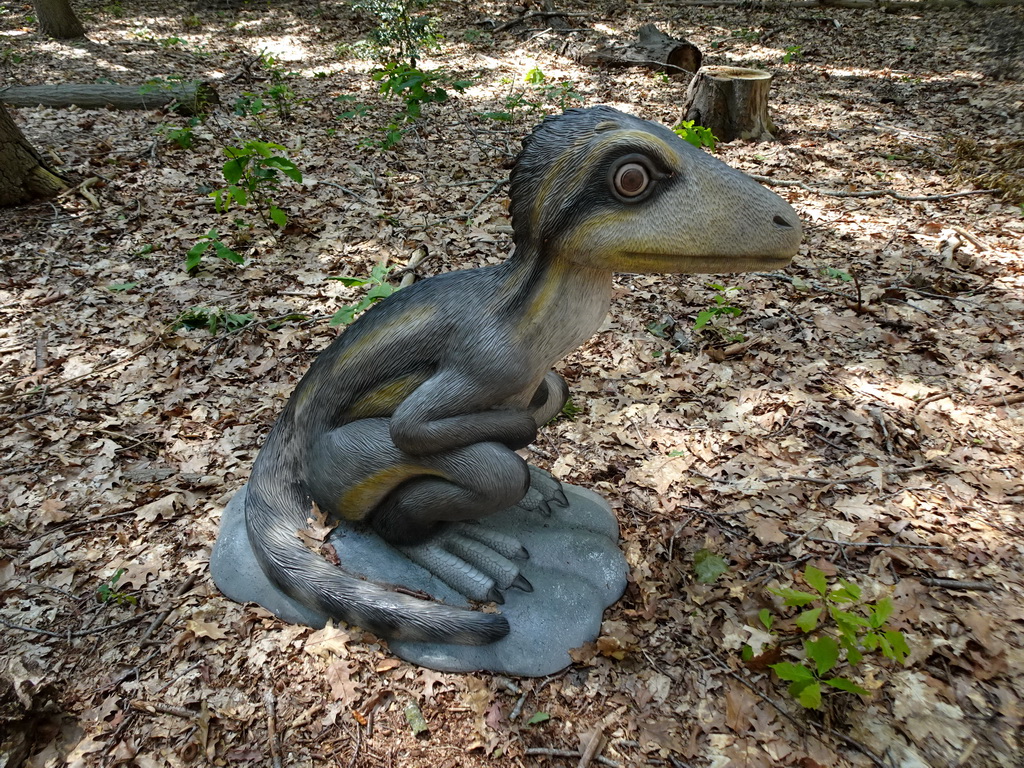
(840,631)
(697,135)
(109,593)
(380,288)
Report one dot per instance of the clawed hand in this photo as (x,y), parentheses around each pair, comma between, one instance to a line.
(481,563)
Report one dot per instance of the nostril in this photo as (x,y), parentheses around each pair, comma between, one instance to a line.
(781,222)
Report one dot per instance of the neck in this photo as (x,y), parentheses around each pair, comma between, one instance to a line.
(556,304)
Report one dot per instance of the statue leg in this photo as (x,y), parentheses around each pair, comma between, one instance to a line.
(356,472)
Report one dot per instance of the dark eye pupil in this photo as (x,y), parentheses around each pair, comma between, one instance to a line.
(631,180)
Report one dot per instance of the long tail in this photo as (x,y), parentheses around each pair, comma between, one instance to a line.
(275,509)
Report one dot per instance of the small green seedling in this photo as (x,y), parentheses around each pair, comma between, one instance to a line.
(708,566)
(108,592)
(697,135)
(793,54)
(213,320)
(211,240)
(380,288)
(721,309)
(839,632)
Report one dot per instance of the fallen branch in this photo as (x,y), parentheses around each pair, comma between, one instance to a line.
(80,632)
(871,192)
(159,620)
(977,586)
(539,15)
(1011,399)
(184,98)
(156,707)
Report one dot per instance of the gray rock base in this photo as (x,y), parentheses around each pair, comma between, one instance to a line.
(575,567)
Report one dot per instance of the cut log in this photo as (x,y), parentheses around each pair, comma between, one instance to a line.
(653,49)
(732,102)
(183,98)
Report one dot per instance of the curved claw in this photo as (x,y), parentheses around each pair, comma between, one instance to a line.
(544,493)
(473,561)
(522,583)
(502,543)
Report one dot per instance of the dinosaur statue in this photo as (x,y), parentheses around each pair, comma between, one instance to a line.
(408,423)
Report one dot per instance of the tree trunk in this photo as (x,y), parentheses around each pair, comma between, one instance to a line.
(732,102)
(23,174)
(183,98)
(57,19)
(653,49)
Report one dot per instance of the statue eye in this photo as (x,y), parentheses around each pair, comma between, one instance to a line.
(631,180)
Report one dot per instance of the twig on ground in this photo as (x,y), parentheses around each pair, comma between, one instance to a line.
(538,15)
(871,192)
(301,317)
(79,633)
(1011,399)
(346,190)
(594,746)
(977,586)
(162,617)
(275,744)
(154,707)
(866,544)
(930,399)
(487,196)
(545,752)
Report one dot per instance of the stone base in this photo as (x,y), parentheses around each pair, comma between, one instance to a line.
(575,567)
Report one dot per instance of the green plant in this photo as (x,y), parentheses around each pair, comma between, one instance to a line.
(793,54)
(108,592)
(560,93)
(210,240)
(183,136)
(414,87)
(748,35)
(403,31)
(380,288)
(570,410)
(514,102)
(707,565)
(254,172)
(838,631)
(212,320)
(721,308)
(697,135)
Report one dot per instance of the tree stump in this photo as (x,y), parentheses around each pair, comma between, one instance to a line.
(183,98)
(57,19)
(23,174)
(732,102)
(653,49)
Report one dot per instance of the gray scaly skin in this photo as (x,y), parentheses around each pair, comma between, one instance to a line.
(409,421)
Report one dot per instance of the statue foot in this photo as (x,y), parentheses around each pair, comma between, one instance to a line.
(574,567)
(474,561)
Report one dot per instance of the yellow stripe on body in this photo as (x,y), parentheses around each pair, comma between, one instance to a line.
(359,499)
(383,400)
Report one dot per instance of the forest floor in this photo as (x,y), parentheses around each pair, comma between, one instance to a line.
(863,414)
